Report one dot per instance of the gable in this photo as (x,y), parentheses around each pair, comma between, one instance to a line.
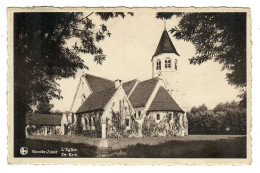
(119,102)
(164,102)
(142,92)
(83,89)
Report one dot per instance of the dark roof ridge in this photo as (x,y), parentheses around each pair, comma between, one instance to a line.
(131,80)
(154,78)
(85,74)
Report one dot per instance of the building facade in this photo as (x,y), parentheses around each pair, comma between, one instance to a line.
(153,107)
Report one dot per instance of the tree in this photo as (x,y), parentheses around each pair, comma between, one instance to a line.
(233,117)
(225,118)
(220,37)
(201,108)
(42,56)
(44,107)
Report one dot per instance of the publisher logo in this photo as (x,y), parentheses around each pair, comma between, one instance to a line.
(24,151)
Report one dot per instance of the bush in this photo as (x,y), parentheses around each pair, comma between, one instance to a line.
(225,118)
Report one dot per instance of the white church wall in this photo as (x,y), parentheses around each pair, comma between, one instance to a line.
(163,114)
(83,90)
(118,103)
(162,57)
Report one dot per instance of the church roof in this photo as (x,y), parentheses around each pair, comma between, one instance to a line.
(164,102)
(142,92)
(97,83)
(139,97)
(165,45)
(128,86)
(97,100)
(44,119)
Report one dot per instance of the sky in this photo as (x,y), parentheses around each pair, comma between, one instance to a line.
(128,56)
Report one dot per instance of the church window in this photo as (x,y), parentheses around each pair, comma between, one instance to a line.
(90,122)
(170,116)
(127,122)
(168,63)
(139,114)
(176,62)
(158,65)
(83,97)
(158,117)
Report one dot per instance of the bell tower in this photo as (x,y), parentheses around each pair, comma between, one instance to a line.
(165,62)
(165,65)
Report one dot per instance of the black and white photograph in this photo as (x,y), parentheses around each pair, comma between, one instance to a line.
(165,85)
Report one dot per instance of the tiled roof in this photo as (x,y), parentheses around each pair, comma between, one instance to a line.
(165,45)
(97,100)
(44,119)
(128,86)
(142,92)
(97,83)
(164,102)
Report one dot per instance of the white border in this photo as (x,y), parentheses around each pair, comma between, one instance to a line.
(255,12)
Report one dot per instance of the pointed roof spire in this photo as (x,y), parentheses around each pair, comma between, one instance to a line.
(165,44)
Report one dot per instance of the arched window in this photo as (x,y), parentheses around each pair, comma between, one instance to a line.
(90,121)
(127,122)
(83,97)
(158,65)
(139,114)
(176,62)
(170,116)
(158,117)
(168,63)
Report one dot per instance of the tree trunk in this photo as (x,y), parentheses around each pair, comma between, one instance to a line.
(20,109)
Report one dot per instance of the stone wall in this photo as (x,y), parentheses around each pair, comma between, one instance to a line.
(42,130)
(164,124)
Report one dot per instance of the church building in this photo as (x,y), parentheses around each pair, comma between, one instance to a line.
(154,107)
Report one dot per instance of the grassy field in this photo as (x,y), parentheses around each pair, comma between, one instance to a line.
(223,148)
(193,146)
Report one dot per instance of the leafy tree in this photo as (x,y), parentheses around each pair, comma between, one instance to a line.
(225,118)
(220,37)
(56,112)
(201,108)
(42,56)
(233,117)
(44,107)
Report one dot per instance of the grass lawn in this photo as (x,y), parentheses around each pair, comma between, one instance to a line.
(221,148)
(193,146)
